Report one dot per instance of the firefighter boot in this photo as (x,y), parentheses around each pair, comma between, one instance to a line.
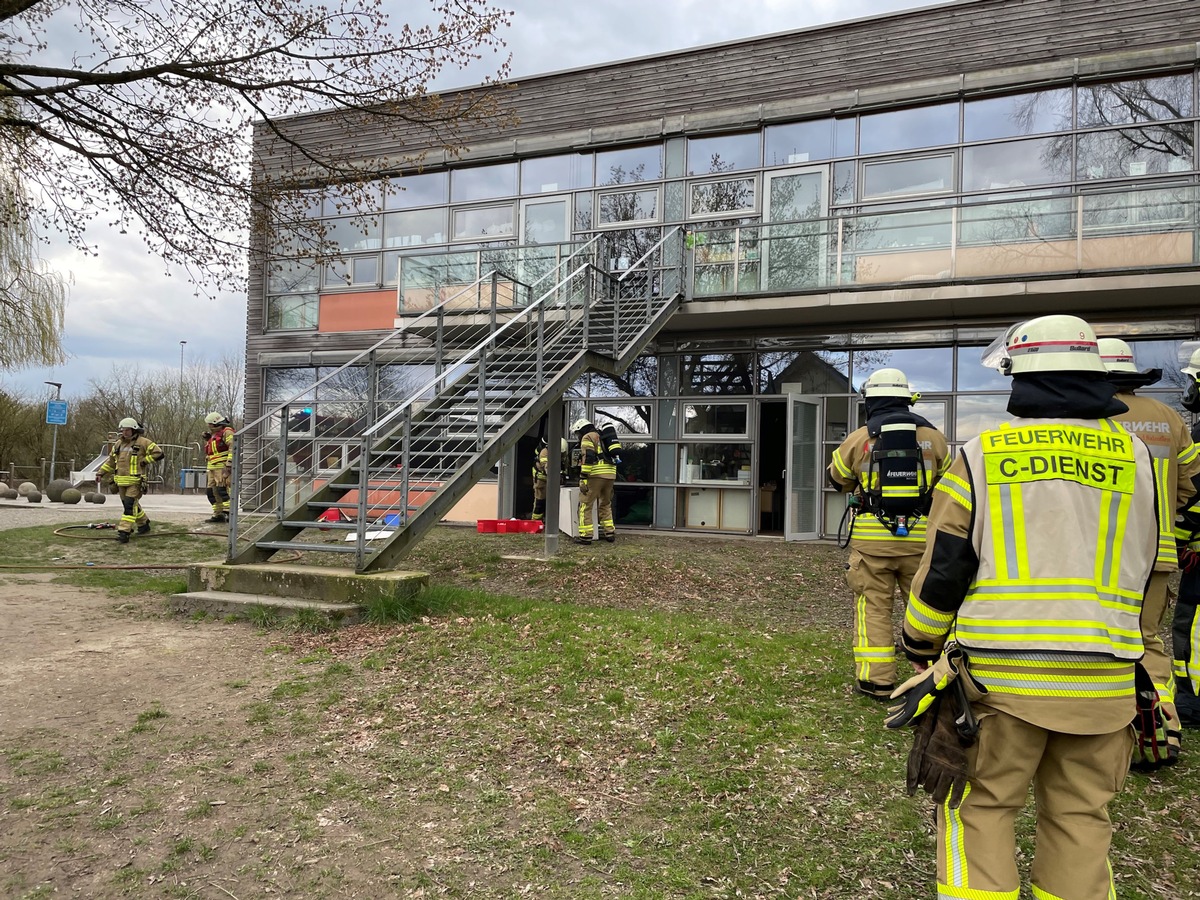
(122,537)
(144,528)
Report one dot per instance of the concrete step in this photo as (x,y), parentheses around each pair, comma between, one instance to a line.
(225,603)
(290,581)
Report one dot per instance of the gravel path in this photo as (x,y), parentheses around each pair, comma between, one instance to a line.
(175,508)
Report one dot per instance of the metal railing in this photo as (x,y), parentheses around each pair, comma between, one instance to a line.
(453,426)
(1038,234)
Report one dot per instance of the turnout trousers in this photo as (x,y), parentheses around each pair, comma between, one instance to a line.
(1185,642)
(874,581)
(218,490)
(599,492)
(131,508)
(1074,777)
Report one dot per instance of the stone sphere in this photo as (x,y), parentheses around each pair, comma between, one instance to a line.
(70,496)
(34,496)
(54,490)
(11,494)
(87,498)
(98,498)
(26,487)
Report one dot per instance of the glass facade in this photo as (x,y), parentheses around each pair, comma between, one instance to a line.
(950,189)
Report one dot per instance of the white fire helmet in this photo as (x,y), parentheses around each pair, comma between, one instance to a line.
(887,383)
(579,425)
(214,419)
(1193,366)
(1046,344)
(128,422)
(1116,355)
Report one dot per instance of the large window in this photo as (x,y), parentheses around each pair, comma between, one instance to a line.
(1135,100)
(426,189)
(908,177)
(798,143)
(551,174)
(483,223)
(719,198)
(628,206)
(483,183)
(728,153)
(908,129)
(1038,112)
(412,229)
(629,165)
(292,311)
(1011,164)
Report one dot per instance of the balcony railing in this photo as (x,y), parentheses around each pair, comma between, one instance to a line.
(1040,234)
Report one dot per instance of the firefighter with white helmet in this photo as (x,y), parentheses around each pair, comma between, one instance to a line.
(1177,464)
(890,465)
(130,456)
(598,476)
(218,454)
(1026,607)
(1185,629)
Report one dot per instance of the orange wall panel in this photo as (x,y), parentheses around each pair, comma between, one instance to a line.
(365,311)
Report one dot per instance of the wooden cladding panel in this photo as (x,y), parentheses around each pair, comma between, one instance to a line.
(913,46)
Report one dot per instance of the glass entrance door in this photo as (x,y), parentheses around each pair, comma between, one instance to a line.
(803,478)
(794,253)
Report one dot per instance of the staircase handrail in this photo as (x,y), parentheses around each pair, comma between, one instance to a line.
(469,355)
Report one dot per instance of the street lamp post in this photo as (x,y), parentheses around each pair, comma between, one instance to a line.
(182,344)
(57,385)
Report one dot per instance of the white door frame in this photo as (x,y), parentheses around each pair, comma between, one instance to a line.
(808,480)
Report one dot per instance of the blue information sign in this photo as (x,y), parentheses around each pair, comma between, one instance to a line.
(56,412)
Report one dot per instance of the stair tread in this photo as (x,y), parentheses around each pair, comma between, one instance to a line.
(304,548)
(270,600)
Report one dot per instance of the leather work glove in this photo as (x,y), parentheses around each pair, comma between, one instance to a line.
(583,485)
(938,759)
(919,693)
(1153,749)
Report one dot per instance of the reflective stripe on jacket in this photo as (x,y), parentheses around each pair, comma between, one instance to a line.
(594,465)
(850,465)
(218,449)
(542,466)
(1040,586)
(129,461)
(1176,463)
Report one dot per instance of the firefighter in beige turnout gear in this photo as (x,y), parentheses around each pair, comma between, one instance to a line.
(1177,468)
(218,454)
(597,477)
(1041,541)
(128,465)
(881,558)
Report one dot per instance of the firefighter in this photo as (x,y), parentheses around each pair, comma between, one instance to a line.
(597,476)
(128,464)
(885,543)
(1041,540)
(1177,468)
(218,452)
(1185,629)
(541,469)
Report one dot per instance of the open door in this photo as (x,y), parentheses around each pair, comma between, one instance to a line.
(802,499)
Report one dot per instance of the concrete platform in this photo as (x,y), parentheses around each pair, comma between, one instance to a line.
(224,603)
(340,595)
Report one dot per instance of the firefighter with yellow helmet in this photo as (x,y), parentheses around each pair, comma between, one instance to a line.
(541,469)
(218,454)
(1041,540)
(128,465)
(1177,467)
(890,465)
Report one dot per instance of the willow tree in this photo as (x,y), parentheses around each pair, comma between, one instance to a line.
(33,297)
(141,120)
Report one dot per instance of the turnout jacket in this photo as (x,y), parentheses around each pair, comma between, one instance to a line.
(129,461)
(594,465)
(1176,464)
(218,449)
(1042,538)
(849,468)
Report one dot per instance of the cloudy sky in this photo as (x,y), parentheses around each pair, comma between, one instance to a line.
(125,309)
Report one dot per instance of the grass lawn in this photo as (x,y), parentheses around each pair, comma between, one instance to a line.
(665,717)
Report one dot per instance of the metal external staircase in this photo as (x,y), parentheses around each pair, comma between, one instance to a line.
(426,412)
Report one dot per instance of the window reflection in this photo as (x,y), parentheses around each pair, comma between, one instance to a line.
(976,413)
(1038,112)
(1135,100)
(548,174)
(727,153)
(411,229)
(353,234)
(353,199)
(632,419)
(491,221)
(290,276)
(896,178)
(629,165)
(927,368)
(804,372)
(426,189)
(483,182)
(722,197)
(908,129)
(715,418)
(799,143)
(1014,164)
(639,380)
(629,206)
(1130,152)
(292,311)
(717,373)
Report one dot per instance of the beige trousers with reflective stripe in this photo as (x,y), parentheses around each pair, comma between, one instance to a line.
(1074,777)
(874,580)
